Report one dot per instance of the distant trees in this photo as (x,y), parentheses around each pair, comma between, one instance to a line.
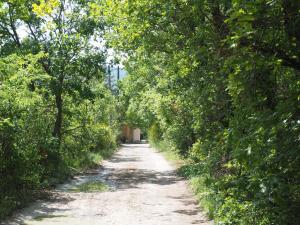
(220,81)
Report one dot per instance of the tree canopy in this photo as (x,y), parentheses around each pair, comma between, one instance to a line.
(56,114)
(218,80)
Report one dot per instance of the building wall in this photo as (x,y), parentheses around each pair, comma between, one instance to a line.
(137,135)
(131,135)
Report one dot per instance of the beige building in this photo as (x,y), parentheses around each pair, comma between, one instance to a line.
(131,135)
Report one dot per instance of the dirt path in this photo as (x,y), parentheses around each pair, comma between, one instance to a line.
(144,190)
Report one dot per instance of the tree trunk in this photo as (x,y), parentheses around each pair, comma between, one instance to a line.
(57,131)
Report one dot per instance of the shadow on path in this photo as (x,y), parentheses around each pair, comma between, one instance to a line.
(117,159)
(132,178)
(42,210)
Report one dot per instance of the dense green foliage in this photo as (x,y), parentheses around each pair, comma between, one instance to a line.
(220,81)
(56,114)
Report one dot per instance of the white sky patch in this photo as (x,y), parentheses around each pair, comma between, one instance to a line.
(23,32)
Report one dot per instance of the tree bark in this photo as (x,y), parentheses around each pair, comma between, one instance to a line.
(57,131)
(13,27)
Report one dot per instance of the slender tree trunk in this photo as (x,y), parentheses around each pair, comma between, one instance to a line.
(13,27)
(57,131)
